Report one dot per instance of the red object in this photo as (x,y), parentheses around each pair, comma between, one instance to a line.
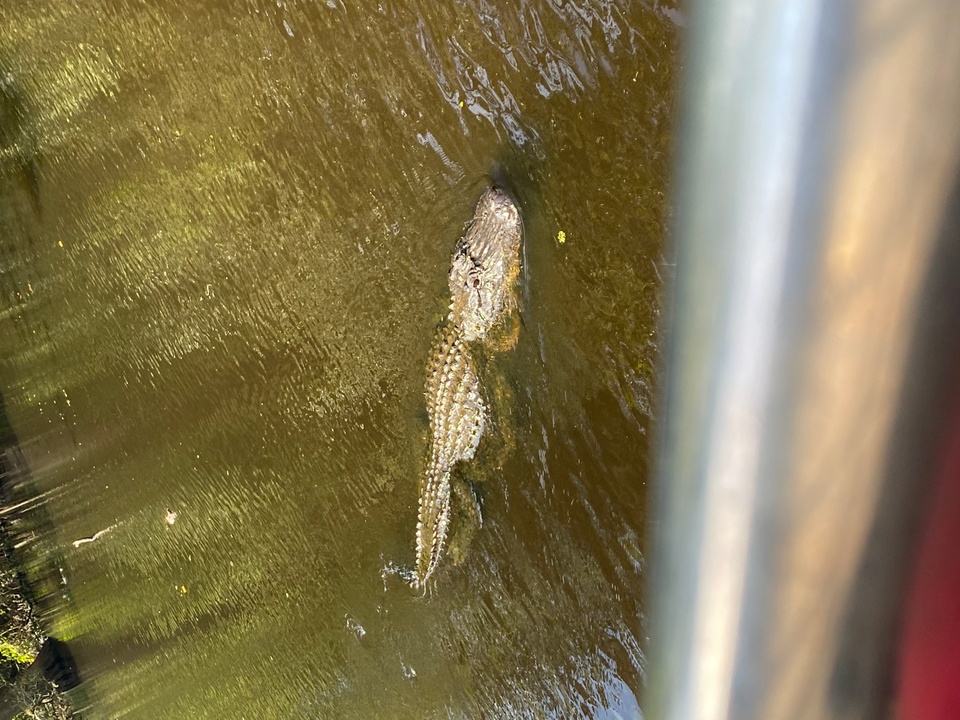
(929,676)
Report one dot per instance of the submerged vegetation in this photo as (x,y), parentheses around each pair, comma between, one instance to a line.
(21,640)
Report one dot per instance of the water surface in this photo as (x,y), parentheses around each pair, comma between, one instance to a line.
(225,236)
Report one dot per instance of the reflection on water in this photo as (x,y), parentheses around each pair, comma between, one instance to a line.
(225,238)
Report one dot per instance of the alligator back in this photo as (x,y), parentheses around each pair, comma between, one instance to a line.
(457,418)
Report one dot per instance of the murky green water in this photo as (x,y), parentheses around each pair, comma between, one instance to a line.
(226,229)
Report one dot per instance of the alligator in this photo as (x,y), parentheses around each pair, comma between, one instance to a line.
(483,302)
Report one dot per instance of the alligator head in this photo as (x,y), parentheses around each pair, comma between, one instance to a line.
(486,263)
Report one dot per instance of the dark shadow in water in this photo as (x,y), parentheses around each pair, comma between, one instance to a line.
(16,138)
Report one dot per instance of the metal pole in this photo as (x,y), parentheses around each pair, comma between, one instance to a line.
(819,150)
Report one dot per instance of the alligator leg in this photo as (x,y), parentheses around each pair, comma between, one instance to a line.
(500,441)
(504,337)
(467,514)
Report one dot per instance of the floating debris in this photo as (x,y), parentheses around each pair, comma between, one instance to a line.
(95,536)
(171,517)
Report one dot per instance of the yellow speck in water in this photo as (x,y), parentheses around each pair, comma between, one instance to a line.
(183,589)
(561,237)
(59,243)
(461,103)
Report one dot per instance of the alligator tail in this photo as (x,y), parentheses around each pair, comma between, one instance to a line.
(433,520)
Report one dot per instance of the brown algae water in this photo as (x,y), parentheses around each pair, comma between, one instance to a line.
(226,230)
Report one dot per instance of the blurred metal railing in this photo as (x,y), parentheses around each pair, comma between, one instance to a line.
(809,345)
